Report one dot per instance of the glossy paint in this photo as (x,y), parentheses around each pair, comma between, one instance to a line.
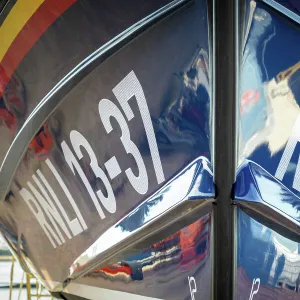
(194,182)
(156,239)
(292,5)
(266,190)
(290,8)
(55,92)
(254,184)
(269,93)
(267,262)
(42,68)
(169,269)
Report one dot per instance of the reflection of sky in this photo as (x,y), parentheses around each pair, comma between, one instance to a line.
(274,194)
(264,233)
(178,190)
(258,231)
(252,76)
(290,245)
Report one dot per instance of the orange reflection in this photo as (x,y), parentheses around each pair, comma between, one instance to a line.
(42,143)
(187,247)
(12,105)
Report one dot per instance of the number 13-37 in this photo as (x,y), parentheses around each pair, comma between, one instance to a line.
(124,91)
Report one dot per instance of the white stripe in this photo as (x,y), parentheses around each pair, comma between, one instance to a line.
(96,293)
(283,10)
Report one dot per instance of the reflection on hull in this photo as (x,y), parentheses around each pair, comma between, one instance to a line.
(184,254)
(269,256)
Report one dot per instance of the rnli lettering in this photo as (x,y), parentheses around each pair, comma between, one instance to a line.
(73,163)
(40,200)
(39,214)
(74,224)
(40,196)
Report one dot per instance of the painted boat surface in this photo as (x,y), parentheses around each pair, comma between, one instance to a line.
(149,149)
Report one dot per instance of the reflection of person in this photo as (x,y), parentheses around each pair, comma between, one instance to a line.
(12,101)
(185,121)
(268,107)
(8,119)
(282,111)
(42,143)
(298,283)
(188,247)
(279,268)
(257,251)
(285,109)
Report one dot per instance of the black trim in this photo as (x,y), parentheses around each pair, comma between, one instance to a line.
(227,52)
(5,8)
(268,216)
(67,296)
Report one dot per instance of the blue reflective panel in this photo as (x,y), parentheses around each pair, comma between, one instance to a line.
(268,264)
(255,184)
(270,96)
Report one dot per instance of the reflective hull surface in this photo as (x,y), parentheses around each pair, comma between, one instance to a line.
(150,148)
